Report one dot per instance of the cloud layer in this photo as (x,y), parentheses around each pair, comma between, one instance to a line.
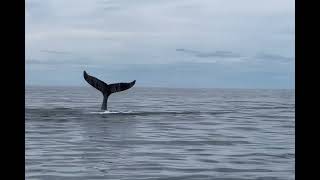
(238,35)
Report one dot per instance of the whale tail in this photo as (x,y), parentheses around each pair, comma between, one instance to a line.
(106,89)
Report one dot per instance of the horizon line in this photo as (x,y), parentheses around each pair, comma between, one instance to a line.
(164,87)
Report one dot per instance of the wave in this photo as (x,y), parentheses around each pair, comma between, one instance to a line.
(111,112)
(161,112)
(74,111)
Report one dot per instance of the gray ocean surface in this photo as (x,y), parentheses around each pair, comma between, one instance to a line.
(159,133)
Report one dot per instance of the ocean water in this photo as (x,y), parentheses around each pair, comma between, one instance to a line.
(159,133)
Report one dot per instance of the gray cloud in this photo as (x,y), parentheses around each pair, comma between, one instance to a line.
(55,52)
(45,62)
(33,61)
(75,61)
(274,57)
(219,54)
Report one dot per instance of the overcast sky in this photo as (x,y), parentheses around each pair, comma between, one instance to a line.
(167,43)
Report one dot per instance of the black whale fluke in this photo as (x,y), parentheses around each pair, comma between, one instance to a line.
(106,89)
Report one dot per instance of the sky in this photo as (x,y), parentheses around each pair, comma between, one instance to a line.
(162,43)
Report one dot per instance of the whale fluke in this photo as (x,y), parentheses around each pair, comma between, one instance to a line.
(106,89)
(95,82)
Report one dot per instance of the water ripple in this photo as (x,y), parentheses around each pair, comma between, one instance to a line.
(160,134)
